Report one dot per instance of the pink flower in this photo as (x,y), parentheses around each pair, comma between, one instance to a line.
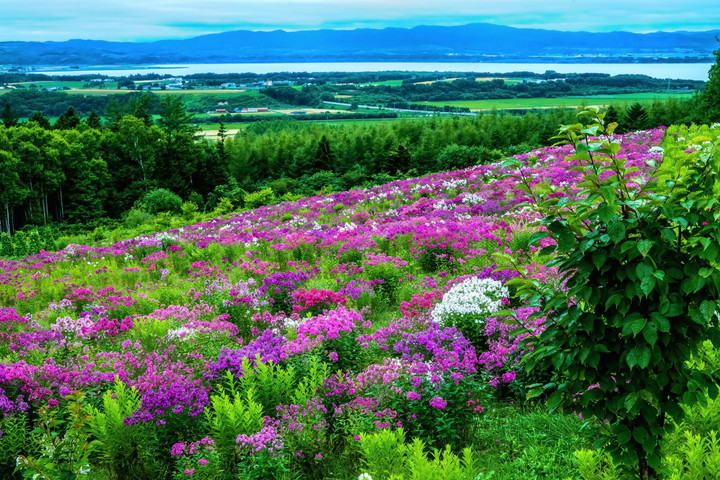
(52,402)
(413,396)
(438,402)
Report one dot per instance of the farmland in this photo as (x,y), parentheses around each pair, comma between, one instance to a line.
(560,102)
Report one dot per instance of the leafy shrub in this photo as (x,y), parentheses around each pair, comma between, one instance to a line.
(259,198)
(161,200)
(436,258)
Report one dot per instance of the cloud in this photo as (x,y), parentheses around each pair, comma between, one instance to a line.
(142,20)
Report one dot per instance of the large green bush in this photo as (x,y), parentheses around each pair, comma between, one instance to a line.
(161,200)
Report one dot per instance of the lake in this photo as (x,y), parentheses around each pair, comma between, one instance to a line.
(689,71)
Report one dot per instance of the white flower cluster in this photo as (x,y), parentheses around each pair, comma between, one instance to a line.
(421,186)
(458,182)
(656,149)
(165,236)
(443,205)
(182,333)
(472,199)
(347,227)
(478,297)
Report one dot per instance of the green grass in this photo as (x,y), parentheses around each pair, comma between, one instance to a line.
(391,83)
(568,102)
(56,84)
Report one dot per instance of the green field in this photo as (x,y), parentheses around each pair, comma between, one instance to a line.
(522,103)
(390,83)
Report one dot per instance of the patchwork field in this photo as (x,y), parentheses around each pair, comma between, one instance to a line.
(567,102)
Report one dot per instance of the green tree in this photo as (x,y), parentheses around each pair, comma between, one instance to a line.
(86,195)
(68,120)
(140,107)
(636,118)
(41,153)
(131,154)
(178,162)
(639,263)
(9,117)
(710,98)
(12,192)
(93,120)
(40,119)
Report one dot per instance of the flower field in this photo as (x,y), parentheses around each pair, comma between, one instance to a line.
(272,342)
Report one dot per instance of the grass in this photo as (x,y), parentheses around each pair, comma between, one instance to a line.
(390,83)
(529,443)
(63,84)
(574,101)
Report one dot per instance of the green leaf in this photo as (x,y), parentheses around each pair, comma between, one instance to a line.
(598,258)
(663,324)
(630,401)
(644,246)
(566,240)
(706,272)
(605,212)
(554,401)
(634,326)
(640,434)
(601,348)
(616,231)
(650,333)
(645,356)
(708,309)
(631,358)
(537,236)
(638,356)
(614,300)
(535,391)
(644,270)
(647,284)
(622,434)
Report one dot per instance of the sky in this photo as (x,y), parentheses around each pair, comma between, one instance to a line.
(149,20)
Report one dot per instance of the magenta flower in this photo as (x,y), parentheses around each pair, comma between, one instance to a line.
(414,396)
(438,402)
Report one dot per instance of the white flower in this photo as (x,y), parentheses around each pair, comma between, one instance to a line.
(365,476)
(474,296)
(472,199)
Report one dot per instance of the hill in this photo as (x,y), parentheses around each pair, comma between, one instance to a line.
(472,42)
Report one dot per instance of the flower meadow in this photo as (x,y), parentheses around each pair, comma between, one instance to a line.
(292,340)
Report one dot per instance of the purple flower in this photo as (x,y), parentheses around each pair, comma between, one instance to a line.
(414,396)
(438,402)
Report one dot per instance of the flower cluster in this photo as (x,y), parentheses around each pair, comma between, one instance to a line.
(473,297)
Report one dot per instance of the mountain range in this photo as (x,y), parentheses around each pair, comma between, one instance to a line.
(472,42)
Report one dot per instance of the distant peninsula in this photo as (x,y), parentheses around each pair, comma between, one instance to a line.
(476,42)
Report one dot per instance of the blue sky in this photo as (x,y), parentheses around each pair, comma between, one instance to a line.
(147,20)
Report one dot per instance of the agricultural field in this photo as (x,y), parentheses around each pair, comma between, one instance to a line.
(560,102)
(389,83)
(509,81)
(336,336)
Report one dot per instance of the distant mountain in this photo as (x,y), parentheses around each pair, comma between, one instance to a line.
(472,42)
